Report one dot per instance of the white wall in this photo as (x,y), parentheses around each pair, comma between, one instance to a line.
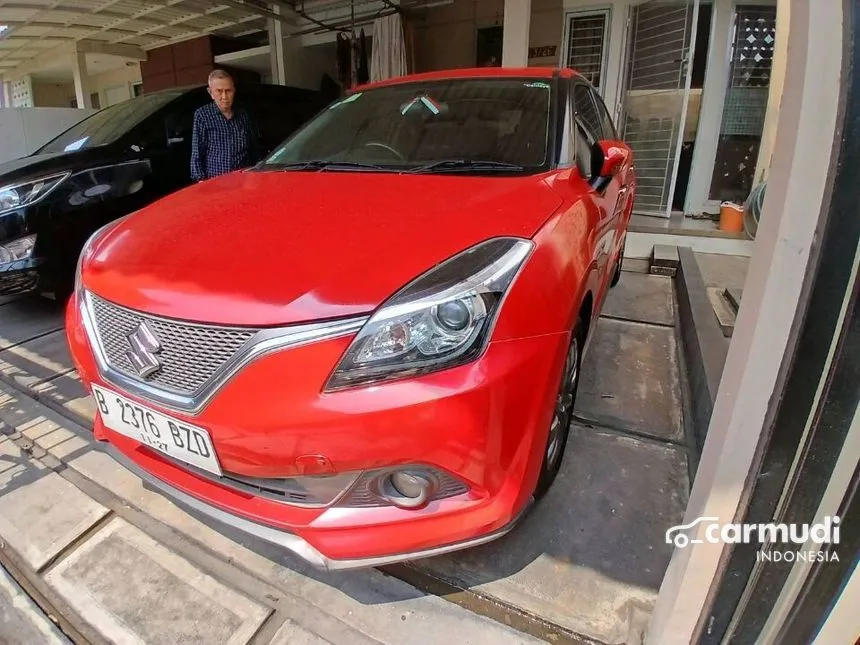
(115,86)
(112,87)
(53,95)
(22,130)
(305,66)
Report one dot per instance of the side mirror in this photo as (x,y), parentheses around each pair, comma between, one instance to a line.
(615,155)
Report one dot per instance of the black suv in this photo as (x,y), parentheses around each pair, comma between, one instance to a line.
(111,164)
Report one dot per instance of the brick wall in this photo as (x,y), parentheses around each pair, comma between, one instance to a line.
(185,63)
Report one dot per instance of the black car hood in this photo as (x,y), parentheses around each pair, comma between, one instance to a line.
(35,166)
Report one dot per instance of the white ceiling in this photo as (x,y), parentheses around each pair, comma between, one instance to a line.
(37,26)
(39,31)
(59,71)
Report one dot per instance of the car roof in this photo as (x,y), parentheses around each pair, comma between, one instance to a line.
(201,87)
(474,72)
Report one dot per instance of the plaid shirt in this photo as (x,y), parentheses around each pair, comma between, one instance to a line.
(220,145)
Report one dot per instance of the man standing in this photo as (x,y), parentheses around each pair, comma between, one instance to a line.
(224,139)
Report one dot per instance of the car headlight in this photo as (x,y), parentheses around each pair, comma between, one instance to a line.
(18,195)
(440,320)
(19,249)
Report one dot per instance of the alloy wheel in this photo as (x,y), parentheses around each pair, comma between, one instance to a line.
(563,406)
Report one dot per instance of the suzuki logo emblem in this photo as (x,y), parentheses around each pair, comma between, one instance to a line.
(144,347)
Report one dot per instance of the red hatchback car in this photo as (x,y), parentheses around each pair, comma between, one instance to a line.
(366,348)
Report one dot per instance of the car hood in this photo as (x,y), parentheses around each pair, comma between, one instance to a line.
(35,166)
(273,248)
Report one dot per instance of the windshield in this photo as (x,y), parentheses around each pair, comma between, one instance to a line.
(485,124)
(108,125)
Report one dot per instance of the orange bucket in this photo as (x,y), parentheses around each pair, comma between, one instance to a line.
(731,217)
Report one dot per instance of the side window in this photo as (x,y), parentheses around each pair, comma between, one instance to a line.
(151,134)
(605,120)
(162,130)
(567,153)
(179,123)
(586,111)
(576,148)
(584,156)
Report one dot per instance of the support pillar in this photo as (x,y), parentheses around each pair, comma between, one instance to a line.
(777,79)
(82,81)
(515,43)
(276,48)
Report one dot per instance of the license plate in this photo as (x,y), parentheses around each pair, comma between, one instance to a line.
(172,437)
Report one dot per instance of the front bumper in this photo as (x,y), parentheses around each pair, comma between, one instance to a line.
(19,277)
(484,423)
(292,542)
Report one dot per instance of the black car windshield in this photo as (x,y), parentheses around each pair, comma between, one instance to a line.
(457,125)
(108,125)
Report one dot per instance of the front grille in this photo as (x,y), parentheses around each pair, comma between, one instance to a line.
(190,353)
(14,283)
(300,491)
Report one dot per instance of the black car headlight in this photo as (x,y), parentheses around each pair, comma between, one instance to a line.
(30,192)
(19,249)
(442,319)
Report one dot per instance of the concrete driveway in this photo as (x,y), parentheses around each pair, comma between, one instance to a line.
(114,562)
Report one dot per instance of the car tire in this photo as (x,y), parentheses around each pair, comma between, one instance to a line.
(616,275)
(559,429)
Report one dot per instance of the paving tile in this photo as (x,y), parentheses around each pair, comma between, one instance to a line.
(21,620)
(293,634)
(59,441)
(68,391)
(43,358)
(40,512)
(355,607)
(644,298)
(134,590)
(591,552)
(26,318)
(630,379)
(726,271)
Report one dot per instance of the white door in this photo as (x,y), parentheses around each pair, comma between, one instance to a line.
(656,88)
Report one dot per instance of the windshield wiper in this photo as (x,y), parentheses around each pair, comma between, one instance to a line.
(467,164)
(320,164)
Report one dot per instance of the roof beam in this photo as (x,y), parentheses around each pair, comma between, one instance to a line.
(70,50)
(98,47)
(179,21)
(260,11)
(38,62)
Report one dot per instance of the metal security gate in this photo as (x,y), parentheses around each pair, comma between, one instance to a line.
(659,48)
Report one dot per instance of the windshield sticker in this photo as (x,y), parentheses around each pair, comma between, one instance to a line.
(427,102)
(348,99)
(76,145)
(538,85)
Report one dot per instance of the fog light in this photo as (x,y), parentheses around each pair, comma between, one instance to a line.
(406,489)
(408,484)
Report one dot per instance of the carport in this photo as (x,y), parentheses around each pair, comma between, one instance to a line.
(590,564)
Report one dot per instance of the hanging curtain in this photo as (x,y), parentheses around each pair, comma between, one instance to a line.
(388,58)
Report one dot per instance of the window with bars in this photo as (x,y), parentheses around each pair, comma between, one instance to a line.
(585,45)
(745,104)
